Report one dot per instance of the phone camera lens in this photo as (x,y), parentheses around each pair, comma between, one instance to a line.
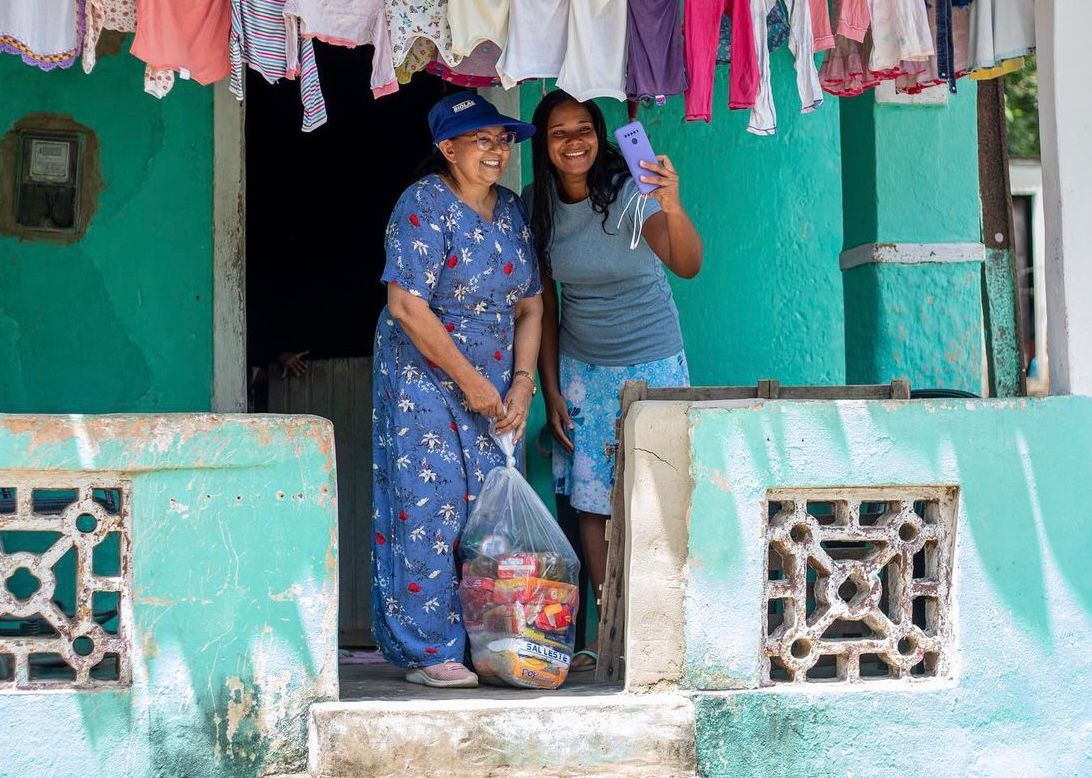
(634,141)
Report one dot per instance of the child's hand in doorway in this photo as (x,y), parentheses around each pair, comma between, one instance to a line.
(292,362)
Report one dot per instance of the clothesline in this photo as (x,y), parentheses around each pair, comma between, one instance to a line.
(640,50)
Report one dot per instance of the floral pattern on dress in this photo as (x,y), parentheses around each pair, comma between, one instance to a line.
(431,454)
(591,396)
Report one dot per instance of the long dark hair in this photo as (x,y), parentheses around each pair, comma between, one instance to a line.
(605,178)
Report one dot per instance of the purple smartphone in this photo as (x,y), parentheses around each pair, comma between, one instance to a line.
(636,148)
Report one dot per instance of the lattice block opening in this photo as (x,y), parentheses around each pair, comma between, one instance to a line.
(857,583)
(65,583)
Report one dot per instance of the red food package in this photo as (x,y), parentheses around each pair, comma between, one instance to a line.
(476,598)
(517,566)
(554,618)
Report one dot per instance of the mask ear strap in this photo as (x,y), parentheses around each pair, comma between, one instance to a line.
(638,218)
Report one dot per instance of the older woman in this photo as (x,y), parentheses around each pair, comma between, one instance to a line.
(455,349)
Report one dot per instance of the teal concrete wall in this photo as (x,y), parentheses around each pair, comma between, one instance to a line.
(910,176)
(122,319)
(768,301)
(1016,702)
(922,322)
(911,171)
(234,595)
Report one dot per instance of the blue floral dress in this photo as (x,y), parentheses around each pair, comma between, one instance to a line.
(430,452)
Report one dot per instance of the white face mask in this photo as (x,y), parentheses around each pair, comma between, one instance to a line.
(638,218)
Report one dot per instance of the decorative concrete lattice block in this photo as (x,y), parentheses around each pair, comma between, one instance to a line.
(65,582)
(858,583)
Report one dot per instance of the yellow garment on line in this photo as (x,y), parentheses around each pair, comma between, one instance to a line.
(1006,67)
(421,52)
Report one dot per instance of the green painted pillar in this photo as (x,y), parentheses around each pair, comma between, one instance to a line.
(912,252)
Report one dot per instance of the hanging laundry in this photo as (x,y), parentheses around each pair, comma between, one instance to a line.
(409,20)
(475,21)
(952,31)
(843,72)
(763,113)
(478,71)
(854,18)
(102,15)
(1001,32)
(820,25)
(422,52)
(802,45)
(701,29)
(777,33)
(190,37)
(900,31)
(656,67)
(46,34)
(263,37)
(538,34)
(343,23)
(158,82)
(595,53)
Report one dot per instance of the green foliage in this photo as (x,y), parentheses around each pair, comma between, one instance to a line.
(1022,110)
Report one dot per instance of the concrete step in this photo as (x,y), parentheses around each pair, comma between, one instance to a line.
(485,732)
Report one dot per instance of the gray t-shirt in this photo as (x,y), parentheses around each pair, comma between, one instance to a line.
(616,304)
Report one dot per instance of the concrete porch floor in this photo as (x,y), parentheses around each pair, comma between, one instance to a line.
(378,680)
(383,726)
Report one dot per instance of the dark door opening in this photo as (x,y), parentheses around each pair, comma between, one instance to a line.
(317,206)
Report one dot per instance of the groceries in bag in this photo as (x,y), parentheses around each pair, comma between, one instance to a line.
(519,590)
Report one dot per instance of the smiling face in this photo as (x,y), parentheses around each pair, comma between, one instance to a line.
(479,157)
(571,142)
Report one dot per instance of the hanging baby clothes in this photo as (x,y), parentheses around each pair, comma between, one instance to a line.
(656,67)
(109,15)
(343,23)
(843,72)
(900,31)
(422,52)
(701,29)
(763,113)
(854,18)
(412,19)
(263,37)
(46,34)
(476,21)
(1001,32)
(801,43)
(190,37)
(538,34)
(820,25)
(595,54)
(478,71)
(777,34)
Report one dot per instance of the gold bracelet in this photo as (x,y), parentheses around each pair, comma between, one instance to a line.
(529,377)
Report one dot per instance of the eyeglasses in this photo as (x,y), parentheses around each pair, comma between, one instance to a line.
(502,142)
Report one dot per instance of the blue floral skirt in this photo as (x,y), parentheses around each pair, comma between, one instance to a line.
(592,396)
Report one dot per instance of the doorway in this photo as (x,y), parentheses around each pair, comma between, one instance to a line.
(317,206)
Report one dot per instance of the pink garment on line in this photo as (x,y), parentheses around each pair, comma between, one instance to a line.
(854,19)
(820,25)
(701,32)
(191,35)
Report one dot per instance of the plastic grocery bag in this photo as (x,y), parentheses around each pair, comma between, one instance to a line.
(519,590)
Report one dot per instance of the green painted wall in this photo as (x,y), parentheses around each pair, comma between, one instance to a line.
(911,171)
(234,595)
(919,322)
(1017,700)
(768,301)
(121,320)
(910,176)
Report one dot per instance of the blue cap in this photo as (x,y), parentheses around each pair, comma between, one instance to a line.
(465,112)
